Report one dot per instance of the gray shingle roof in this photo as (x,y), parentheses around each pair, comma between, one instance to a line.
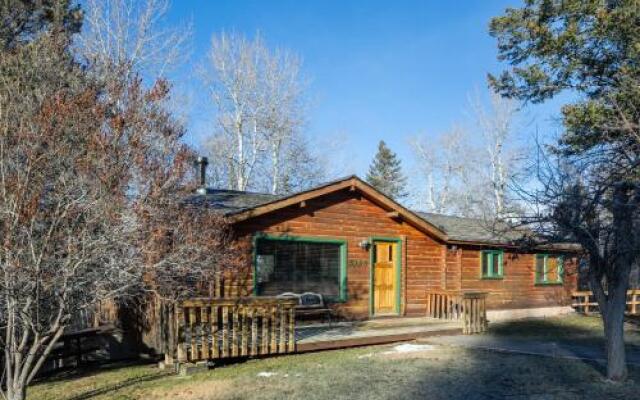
(472,229)
(456,228)
(230,201)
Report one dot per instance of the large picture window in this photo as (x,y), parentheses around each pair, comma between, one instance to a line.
(299,265)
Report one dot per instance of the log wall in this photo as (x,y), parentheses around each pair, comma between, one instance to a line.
(427,264)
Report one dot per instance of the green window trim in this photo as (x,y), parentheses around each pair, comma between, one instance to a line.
(343,259)
(544,280)
(490,256)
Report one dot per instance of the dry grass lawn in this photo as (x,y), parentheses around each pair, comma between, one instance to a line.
(377,372)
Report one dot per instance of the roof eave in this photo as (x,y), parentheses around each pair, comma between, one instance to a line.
(352,183)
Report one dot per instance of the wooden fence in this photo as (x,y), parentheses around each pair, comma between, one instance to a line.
(209,329)
(468,307)
(584,302)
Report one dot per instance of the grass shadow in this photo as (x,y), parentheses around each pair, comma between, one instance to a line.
(117,386)
(87,370)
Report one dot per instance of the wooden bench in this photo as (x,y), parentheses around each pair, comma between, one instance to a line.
(309,305)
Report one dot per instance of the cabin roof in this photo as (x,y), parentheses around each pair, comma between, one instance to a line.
(463,229)
(231,201)
(241,205)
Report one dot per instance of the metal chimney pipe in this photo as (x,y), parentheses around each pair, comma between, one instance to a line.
(202,163)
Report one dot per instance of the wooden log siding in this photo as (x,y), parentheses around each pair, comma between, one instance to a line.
(468,307)
(584,302)
(211,329)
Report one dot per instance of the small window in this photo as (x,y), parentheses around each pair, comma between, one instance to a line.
(492,264)
(549,268)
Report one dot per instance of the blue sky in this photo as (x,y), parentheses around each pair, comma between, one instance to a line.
(378,69)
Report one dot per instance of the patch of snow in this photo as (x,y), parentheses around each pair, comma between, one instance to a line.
(368,355)
(410,348)
(265,374)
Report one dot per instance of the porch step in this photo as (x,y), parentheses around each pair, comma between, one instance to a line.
(370,333)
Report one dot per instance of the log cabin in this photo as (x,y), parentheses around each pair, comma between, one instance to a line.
(371,257)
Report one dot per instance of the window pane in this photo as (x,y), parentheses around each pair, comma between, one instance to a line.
(485,264)
(552,269)
(496,264)
(291,266)
(540,268)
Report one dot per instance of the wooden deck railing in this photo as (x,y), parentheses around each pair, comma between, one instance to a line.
(209,329)
(468,307)
(584,301)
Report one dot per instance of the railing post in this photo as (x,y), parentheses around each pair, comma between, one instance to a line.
(474,312)
(214,331)
(292,329)
(181,349)
(586,304)
(204,339)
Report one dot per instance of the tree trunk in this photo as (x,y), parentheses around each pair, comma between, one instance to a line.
(614,337)
(17,392)
(618,282)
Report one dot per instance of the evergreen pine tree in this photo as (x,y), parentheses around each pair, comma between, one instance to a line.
(385,173)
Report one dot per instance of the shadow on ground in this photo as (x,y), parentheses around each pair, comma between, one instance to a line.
(379,372)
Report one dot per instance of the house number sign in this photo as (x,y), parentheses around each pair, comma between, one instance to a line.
(357,263)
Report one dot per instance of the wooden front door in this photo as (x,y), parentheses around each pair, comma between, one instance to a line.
(384,278)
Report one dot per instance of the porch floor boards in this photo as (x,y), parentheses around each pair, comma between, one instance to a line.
(365,333)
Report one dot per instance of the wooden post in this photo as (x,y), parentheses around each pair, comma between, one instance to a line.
(180,327)
(292,330)
(474,312)
(171,342)
(283,330)
(254,331)
(245,332)
(192,333)
(214,331)
(274,330)
(234,337)
(586,304)
(264,349)
(204,323)
(225,331)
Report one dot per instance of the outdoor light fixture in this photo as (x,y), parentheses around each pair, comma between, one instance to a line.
(364,245)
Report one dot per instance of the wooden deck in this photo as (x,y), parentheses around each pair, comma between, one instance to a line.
(381,331)
(205,329)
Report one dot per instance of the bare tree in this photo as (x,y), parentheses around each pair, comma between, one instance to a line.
(496,126)
(60,220)
(282,112)
(258,95)
(451,179)
(88,187)
(593,199)
(232,74)
(122,38)
(459,178)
